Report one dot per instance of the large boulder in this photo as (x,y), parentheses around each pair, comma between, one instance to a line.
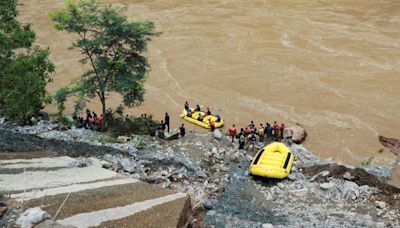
(31,217)
(172,134)
(350,190)
(128,165)
(295,132)
(217,134)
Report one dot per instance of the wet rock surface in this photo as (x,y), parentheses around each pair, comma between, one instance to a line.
(215,174)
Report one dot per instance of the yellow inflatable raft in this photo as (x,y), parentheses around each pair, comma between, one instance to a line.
(206,119)
(273,161)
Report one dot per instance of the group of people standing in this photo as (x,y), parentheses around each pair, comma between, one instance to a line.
(251,133)
(91,121)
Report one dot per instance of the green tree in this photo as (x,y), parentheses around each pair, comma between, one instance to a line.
(24,68)
(111,45)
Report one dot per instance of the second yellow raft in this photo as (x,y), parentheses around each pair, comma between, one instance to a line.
(273,161)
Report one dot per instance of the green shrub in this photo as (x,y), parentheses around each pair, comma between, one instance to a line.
(367,162)
(132,125)
(66,122)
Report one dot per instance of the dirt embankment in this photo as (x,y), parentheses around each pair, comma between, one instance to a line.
(357,175)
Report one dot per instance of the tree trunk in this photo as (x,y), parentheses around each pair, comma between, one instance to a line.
(103,104)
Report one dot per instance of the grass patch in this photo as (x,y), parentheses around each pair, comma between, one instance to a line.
(106,138)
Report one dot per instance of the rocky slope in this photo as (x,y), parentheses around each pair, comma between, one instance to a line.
(215,174)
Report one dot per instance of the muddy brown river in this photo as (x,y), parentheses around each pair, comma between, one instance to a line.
(332,66)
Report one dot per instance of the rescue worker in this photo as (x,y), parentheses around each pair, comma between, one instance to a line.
(261,132)
(186,106)
(182,131)
(232,132)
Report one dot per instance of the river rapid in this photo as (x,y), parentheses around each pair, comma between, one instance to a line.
(331,66)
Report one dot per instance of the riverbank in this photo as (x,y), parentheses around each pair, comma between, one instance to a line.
(215,176)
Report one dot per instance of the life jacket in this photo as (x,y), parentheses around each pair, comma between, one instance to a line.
(261,131)
(247,132)
(212,124)
(242,138)
(232,131)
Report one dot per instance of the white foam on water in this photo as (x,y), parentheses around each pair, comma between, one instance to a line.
(95,218)
(285,40)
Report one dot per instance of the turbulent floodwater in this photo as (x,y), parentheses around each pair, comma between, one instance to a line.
(332,66)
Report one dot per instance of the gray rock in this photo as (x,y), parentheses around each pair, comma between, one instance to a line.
(363,189)
(348,176)
(106,164)
(327,185)
(31,217)
(95,162)
(208,205)
(296,133)
(172,134)
(322,174)
(217,134)
(79,162)
(201,174)
(380,204)
(350,189)
(132,151)
(269,196)
(128,165)
(211,213)
(151,179)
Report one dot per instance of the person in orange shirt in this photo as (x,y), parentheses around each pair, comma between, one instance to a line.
(232,132)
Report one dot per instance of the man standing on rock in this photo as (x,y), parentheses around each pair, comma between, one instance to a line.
(182,131)
(166,121)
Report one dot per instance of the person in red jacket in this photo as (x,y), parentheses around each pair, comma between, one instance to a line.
(100,120)
(247,132)
(232,132)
